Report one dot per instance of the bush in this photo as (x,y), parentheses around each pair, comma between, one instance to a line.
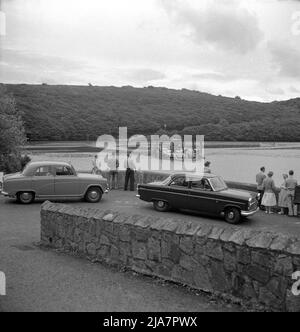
(24,161)
(12,135)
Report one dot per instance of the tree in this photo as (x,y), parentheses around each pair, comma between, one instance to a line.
(12,134)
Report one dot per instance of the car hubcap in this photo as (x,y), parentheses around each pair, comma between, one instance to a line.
(93,195)
(26,197)
(161,204)
(231,215)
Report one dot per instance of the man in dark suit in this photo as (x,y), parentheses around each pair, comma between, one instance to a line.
(129,175)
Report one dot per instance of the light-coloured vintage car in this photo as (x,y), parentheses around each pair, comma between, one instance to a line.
(53,180)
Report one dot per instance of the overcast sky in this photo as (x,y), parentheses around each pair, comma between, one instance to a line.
(249,48)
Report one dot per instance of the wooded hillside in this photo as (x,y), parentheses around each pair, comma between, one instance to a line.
(80,113)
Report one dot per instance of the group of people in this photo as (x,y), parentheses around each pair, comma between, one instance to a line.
(112,166)
(269,192)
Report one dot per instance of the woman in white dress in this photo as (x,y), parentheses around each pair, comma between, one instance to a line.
(283,196)
(269,198)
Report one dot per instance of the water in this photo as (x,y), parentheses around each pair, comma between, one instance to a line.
(243,164)
(236,164)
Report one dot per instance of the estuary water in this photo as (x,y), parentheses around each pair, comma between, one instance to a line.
(234,163)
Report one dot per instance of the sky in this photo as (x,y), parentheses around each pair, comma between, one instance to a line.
(246,48)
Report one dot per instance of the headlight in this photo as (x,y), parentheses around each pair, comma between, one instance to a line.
(251,201)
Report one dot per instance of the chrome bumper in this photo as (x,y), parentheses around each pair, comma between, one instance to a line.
(3,193)
(138,196)
(249,213)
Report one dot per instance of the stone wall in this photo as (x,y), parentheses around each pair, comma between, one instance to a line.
(251,265)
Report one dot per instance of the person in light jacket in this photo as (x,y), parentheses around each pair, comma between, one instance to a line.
(113,165)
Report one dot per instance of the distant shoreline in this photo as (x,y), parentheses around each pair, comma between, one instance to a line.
(88,146)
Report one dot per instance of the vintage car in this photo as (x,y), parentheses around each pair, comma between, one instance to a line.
(52,180)
(207,194)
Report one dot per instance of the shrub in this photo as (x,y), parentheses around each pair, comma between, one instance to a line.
(12,135)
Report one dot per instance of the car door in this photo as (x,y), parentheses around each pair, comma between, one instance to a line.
(66,182)
(43,181)
(202,197)
(178,192)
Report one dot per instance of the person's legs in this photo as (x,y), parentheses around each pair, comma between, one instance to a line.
(115,180)
(291,206)
(127,175)
(261,192)
(131,180)
(295,210)
(110,181)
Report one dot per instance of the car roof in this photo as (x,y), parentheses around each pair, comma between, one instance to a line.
(47,163)
(195,176)
(32,166)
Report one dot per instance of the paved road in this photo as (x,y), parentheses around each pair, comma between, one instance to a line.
(42,280)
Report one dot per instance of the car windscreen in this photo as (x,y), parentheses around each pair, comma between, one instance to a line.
(218,184)
(167,180)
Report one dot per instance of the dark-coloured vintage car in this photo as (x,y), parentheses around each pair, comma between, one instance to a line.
(207,194)
(52,180)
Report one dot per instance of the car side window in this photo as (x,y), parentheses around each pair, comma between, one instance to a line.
(64,171)
(43,171)
(202,185)
(179,182)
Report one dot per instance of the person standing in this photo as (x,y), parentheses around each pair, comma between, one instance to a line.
(129,175)
(113,165)
(207,167)
(96,165)
(291,185)
(260,177)
(283,196)
(269,198)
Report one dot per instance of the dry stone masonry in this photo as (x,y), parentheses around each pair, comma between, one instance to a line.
(253,266)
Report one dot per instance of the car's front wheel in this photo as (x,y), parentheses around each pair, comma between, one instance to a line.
(93,195)
(25,197)
(161,206)
(232,215)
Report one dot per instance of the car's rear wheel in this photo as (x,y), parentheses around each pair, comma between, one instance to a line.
(161,206)
(25,197)
(93,195)
(232,215)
